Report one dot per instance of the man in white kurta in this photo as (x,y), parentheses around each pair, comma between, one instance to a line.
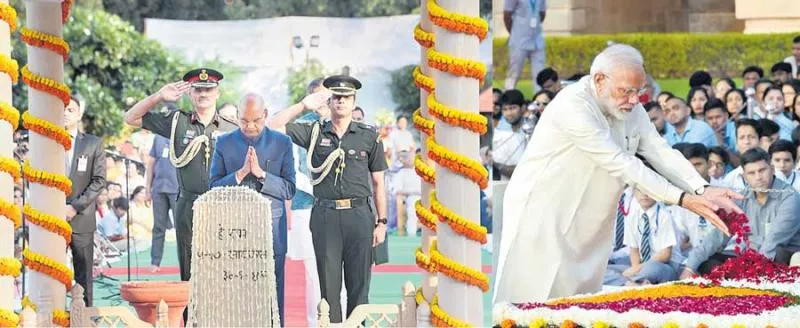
(561,200)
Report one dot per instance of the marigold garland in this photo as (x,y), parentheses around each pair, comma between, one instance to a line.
(456,66)
(419,298)
(47,41)
(9,114)
(11,167)
(49,222)
(423,81)
(57,181)
(47,129)
(9,66)
(10,266)
(674,325)
(66,5)
(8,318)
(11,212)
(465,166)
(424,262)
(636,325)
(43,84)
(457,271)
(508,323)
(457,23)
(9,15)
(26,303)
(471,121)
(45,265)
(459,224)
(424,38)
(61,318)
(440,318)
(423,124)
(425,171)
(425,217)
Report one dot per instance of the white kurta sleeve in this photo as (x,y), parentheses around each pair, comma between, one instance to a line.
(583,126)
(666,160)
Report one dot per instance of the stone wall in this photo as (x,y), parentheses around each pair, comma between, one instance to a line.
(765,16)
(567,17)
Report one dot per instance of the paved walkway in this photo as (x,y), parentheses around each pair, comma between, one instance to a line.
(387,279)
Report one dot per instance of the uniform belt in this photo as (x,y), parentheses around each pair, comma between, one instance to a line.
(341,204)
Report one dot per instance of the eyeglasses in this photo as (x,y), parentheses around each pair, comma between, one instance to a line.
(629,92)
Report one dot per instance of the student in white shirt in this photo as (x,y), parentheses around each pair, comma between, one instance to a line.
(619,260)
(748,135)
(783,153)
(794,59)
(651,237)
(691,227)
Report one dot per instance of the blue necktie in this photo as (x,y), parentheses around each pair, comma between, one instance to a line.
(620,232)
(645,249)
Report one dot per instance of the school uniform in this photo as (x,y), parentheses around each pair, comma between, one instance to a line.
(793,179)
(620,256)
(689,225)
(649,231)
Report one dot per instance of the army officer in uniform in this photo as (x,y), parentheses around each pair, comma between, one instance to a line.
(192,137)
(345,157)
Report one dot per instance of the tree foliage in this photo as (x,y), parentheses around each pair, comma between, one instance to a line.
(111,66)
(404,92)
(135,11)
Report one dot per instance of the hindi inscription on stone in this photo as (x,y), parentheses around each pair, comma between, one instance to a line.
(233,275)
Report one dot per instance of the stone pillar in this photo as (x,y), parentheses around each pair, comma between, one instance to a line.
(769,16)
(709,16)
(9,212)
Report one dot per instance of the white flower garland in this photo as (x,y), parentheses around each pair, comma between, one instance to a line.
(782,317)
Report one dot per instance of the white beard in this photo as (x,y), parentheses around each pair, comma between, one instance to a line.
(607,103)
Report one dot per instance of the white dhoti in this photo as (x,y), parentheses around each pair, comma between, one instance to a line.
(559,206)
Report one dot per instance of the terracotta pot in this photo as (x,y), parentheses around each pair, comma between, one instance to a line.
(144,296)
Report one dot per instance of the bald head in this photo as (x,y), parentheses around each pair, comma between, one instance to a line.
(252,114)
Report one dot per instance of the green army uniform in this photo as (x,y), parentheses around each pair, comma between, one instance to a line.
(342,220)
(191,147)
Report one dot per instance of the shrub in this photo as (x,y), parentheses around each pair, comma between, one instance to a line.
(667,55)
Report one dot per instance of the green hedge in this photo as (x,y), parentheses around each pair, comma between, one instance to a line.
(667,55)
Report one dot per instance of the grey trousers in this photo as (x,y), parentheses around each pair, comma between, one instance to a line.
(162,203)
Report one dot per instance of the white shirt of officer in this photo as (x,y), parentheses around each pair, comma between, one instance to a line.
(662,231)
(526,29)
(688,224)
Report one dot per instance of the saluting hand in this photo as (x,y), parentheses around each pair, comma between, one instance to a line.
(173,91)
(316,100)
(255,168)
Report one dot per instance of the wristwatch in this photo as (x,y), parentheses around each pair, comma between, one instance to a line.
(701,191)
(381,220)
